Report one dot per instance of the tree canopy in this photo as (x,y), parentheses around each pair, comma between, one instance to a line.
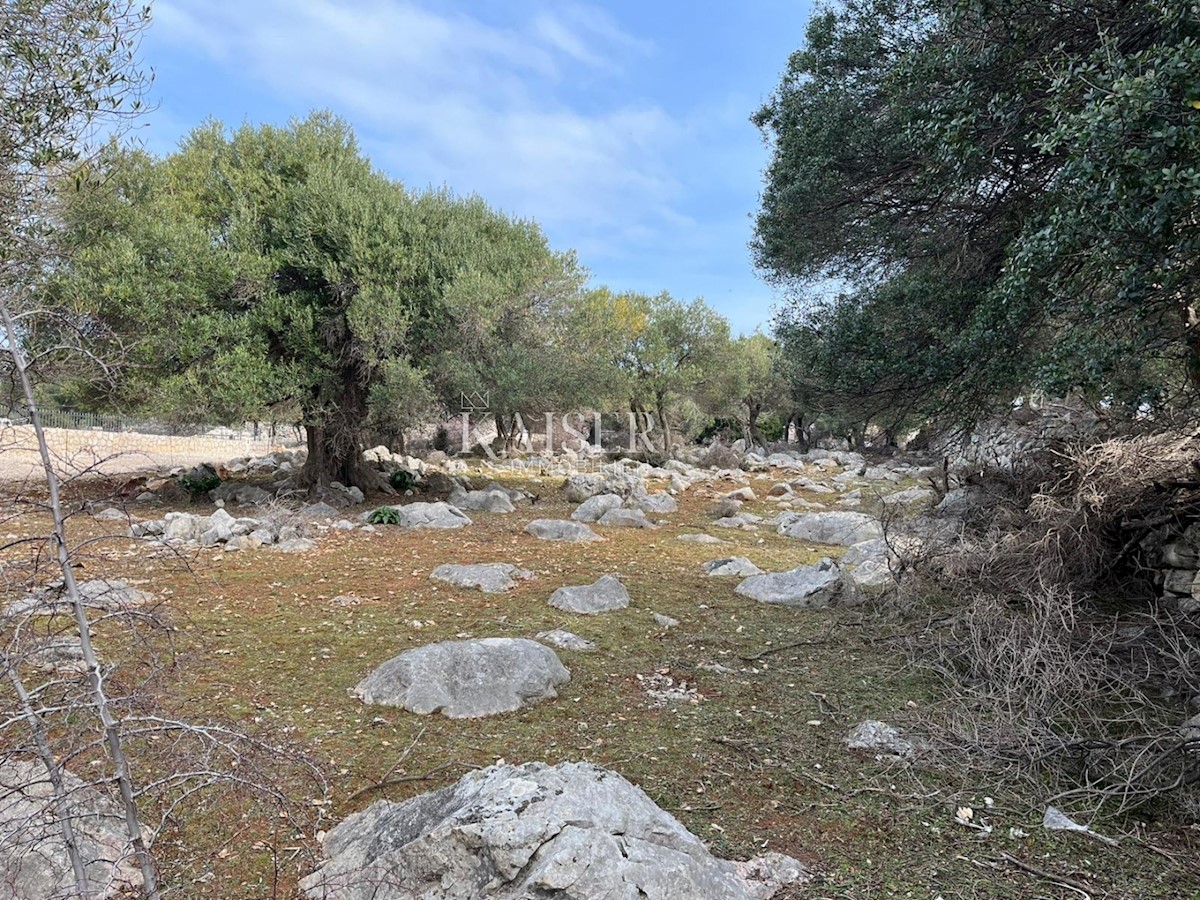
(272,272)
(989,197)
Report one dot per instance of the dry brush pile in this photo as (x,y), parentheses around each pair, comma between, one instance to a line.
(1068,667)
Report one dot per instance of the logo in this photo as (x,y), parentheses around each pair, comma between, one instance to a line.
(475,401)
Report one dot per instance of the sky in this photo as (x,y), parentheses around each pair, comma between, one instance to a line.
(622,127)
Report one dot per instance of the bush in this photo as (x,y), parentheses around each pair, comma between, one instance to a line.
(385,515)
(198,486)
(402,480)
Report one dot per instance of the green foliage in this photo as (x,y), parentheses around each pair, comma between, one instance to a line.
(989,198)
(402,480)
(271,273)
(385,515)
(198,486)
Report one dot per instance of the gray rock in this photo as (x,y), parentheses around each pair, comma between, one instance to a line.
(440,483)
(296,545)
(494,501)
(218,534)
(561,530)
(964,501)
(112,514)
(239,494)
(605,595)
(466,679)
(578,488)
(33,856)
(808,587)
(844,528)
(879,737)
(701,539)
(737,566)
(743,494)
(111,595)
(491,578)
(61,655)
(573,831)
(431,515)
(319,510)
(655,504)
(872,550)
(241,542)
(665,621)
(743,521)
(625,518)
(593,508)
(910,496)
(566,640)
(180,527)
(262,535)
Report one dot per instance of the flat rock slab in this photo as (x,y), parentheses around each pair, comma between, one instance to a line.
(738,566)
(572,831)
(625,518)
(431,515)
(809,587)
(845,528)
(566,640)
(701,539)
(605,595)
(104,594)
(744,521)
(494,501)
(33,857)
(593,508)
(491,578)
(879,737)
(561,530)
(466,679)
(295,545)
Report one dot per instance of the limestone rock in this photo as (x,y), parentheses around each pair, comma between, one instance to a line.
(572,831)
(466,679)
(566,640)
(593,508)
(879,737)
(625,518)
(737,566)
(808,587)
(33,857)
(845,528)
(654,504)
(494,501)
(604,595)
(561,530)
(431,515)
(295,545)
(491,578)
(701,539)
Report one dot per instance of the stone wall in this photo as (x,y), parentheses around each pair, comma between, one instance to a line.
(999,445)
(1179,561)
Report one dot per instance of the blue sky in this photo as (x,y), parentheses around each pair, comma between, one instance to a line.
(622,127)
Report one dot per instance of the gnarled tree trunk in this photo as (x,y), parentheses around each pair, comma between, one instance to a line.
(334,437)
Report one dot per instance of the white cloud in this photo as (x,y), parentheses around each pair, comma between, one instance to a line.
(447,98)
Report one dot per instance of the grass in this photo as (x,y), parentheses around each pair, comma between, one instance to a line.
(760,763)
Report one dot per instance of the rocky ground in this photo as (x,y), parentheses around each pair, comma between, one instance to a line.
(720,639)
